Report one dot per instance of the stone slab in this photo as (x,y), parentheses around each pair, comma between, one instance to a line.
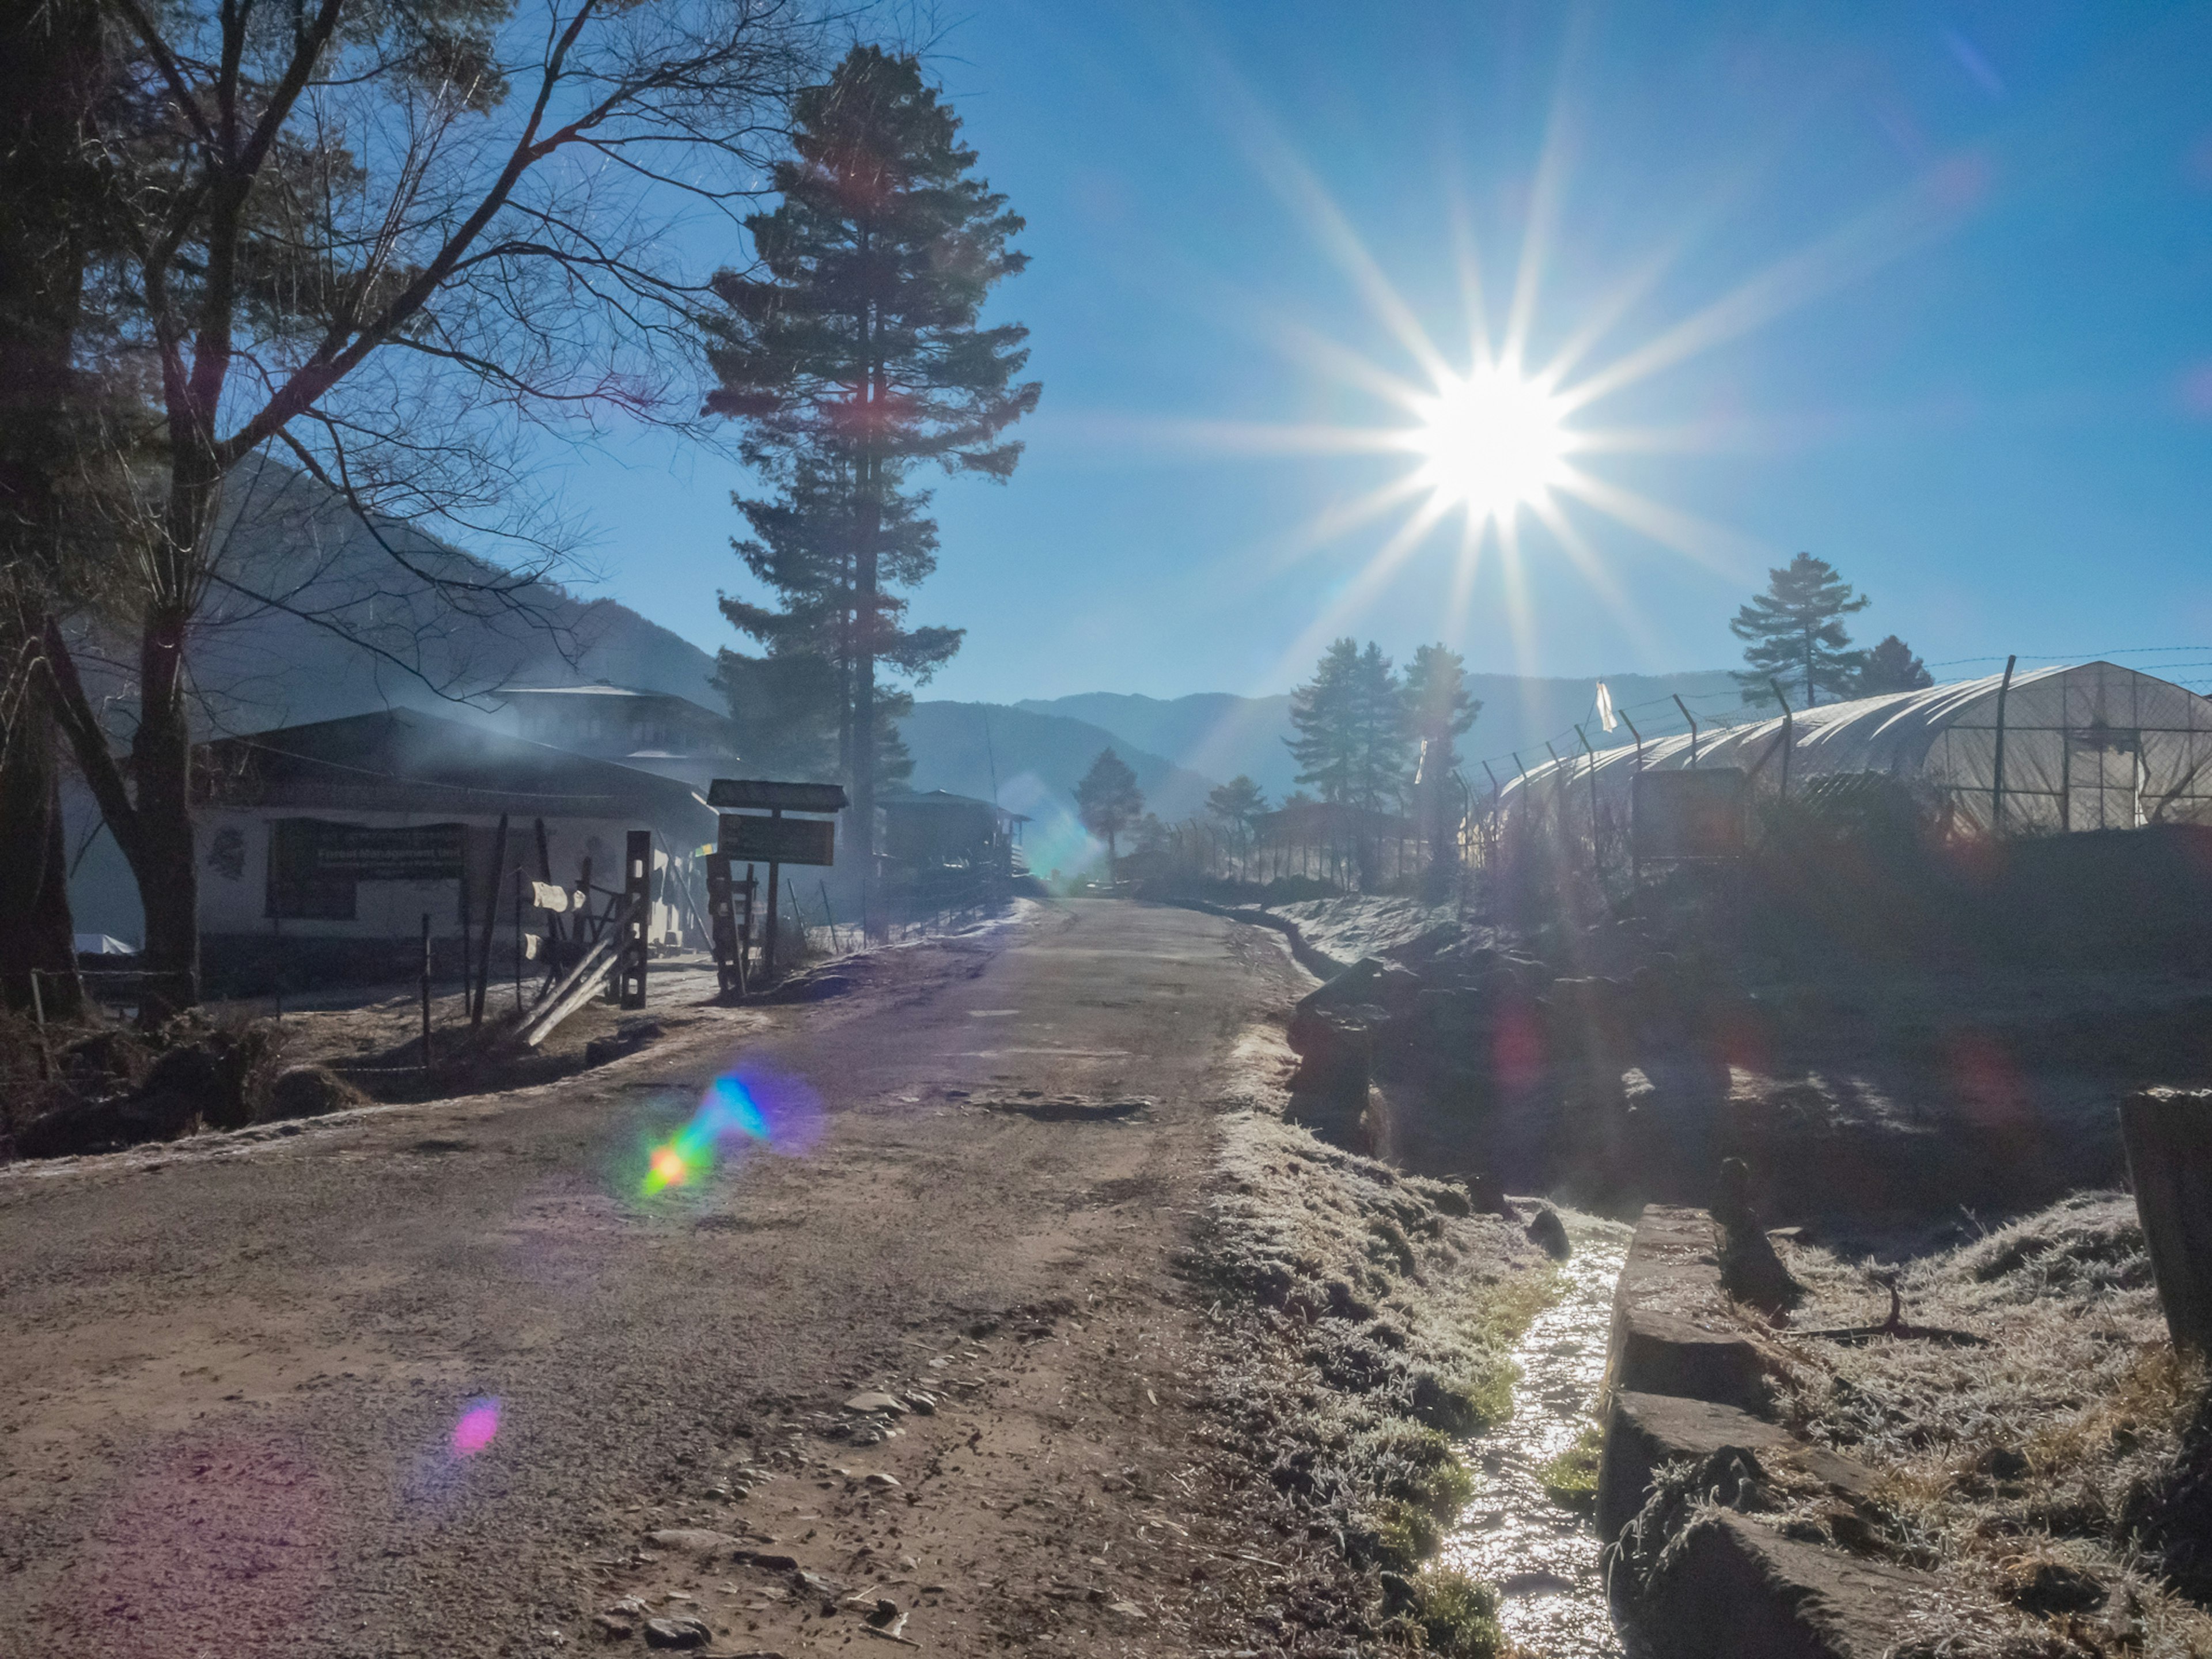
(1735,1588)
(1644,1431)
(1673,1331)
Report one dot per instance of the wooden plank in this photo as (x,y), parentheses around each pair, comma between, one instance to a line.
(2169,1136)
(577,987)
(766,793)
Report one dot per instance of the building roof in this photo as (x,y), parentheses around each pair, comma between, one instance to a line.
(400,760)
(944,799)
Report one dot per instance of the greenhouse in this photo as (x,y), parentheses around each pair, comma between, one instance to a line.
(2093,746)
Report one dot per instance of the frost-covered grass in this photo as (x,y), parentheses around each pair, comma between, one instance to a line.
(1374,1317)
(2019,1465)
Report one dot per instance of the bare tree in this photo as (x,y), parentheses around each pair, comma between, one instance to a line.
(396,245)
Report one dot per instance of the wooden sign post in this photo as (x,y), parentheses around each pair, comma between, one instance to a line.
(777,840)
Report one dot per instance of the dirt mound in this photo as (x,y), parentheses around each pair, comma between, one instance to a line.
(112,1089)
(309,1092)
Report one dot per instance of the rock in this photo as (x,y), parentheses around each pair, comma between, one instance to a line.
(768,1562)
(869,1404)
(677,1633)
(883,1482)
(923,1405)
(692,1541)
(309,1092)
(883,1612)
(1127,1609)
(1549,1234)
(1750,1270)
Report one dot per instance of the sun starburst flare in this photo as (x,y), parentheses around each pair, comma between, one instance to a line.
(1499,445)
(1491,443)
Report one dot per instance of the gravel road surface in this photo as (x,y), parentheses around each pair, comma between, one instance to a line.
(447,1379)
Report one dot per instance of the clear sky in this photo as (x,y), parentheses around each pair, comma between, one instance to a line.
(1924,289)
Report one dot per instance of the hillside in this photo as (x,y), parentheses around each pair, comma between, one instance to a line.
(1220,735)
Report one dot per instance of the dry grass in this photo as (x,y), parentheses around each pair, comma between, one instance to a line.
(2016,1467)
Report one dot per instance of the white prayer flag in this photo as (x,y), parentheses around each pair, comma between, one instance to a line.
(530,945)
(1607,719)
(546,896)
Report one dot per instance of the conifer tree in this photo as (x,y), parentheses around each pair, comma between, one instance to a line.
(1793,633)
(803,687)
(1438,711)
(1891,667)
(855,354)
(1237,803)
(1350,725)
(1109,802)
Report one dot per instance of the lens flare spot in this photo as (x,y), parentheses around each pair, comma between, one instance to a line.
(668,1170)
(738,1113)
(478,1423)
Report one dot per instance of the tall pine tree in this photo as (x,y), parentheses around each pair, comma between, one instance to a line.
(855,354)
(1438,712)
(793,705)
(1793,633)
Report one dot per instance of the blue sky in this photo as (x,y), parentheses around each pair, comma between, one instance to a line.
(1947,271)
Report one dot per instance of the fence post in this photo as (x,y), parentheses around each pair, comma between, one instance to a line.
(1996,784)
(1789,735)
(1693,720)
(2169,1136)
(426,985)
(1592,753)
(483,986)
(1635,734)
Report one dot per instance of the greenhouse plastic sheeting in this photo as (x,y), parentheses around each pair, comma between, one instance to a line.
(2095,746)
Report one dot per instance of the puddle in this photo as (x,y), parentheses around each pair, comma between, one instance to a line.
(1511,1535)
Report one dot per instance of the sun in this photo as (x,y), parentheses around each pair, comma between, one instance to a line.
(1494,442)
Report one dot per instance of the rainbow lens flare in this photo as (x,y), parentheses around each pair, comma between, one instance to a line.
(478,1423)
(738,1112)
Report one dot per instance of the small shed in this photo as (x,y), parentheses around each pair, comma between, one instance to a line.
(939,828)
(348,832)
(2089,746)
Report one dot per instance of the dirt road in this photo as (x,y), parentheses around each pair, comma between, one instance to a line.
(430,1379)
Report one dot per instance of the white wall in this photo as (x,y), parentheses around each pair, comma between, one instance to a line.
(233,853)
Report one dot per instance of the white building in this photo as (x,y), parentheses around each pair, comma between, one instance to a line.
(328,843)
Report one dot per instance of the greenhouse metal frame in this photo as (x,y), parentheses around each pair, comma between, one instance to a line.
(2090,746)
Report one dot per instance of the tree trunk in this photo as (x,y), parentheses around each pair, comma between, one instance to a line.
(50,70)
(36,931)
(168,872)
(864,704)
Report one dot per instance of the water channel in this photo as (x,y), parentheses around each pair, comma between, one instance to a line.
(1544,1558)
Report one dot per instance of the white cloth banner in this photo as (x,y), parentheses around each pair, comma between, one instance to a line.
(546,896)
(1607,719)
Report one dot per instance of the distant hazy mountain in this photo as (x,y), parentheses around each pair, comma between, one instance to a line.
(1220,735)
(1038,760)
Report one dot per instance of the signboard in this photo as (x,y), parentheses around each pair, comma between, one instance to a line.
(1694,814)
(311,849)
(779,841)
(766,794)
